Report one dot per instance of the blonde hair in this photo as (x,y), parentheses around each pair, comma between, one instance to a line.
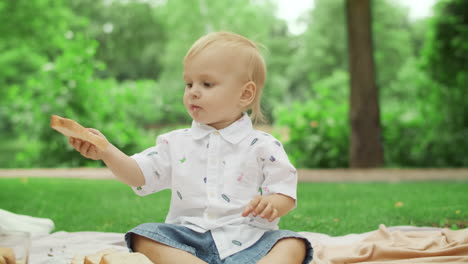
(256,68)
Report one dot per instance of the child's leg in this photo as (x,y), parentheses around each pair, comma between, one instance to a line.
(287,250)
(162,254)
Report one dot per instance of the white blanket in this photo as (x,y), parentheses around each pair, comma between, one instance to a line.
(60,247)
(34,225)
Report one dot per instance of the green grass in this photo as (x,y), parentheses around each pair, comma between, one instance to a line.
(332,208)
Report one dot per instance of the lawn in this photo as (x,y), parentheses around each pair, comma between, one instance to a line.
(332,208)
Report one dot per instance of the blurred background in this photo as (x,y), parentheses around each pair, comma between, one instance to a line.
(116,65)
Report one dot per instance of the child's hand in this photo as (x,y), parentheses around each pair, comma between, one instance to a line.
(263,206)
(87,149)
(269,206)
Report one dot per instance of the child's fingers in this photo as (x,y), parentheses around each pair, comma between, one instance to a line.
(267,211)
(77,144)
(251,206)
(85,148)
(260,207)
(274,215)
(96,132)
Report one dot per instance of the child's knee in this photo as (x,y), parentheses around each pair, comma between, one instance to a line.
(294,247)
(139,243)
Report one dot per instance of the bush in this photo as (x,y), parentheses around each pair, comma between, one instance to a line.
(318,128)
(414,132)
(66,87)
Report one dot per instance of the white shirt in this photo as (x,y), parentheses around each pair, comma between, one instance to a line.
(213,175)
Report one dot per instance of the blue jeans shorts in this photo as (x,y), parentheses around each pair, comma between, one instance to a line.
(202,244)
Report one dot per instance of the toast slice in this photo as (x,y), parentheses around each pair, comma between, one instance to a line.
(125,258)
(96,257)
(71,128)
(7,256)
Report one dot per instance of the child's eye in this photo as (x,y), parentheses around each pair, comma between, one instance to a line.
(208,85)
(188,85)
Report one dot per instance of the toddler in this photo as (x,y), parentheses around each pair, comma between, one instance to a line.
(230,183)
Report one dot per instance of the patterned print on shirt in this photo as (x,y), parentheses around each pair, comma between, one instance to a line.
(254,141)
(260,191)
(241,177)
(204,179)
(183,160)
(138,188)
(237,243)
(152,153)
(180,195)
(225,197)
(272,158)
(278,143)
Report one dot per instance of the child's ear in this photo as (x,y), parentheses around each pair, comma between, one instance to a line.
(248,94)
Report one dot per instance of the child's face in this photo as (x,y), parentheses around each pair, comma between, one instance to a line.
(214,84)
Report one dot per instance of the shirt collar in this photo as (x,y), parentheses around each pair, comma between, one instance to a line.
(234,133)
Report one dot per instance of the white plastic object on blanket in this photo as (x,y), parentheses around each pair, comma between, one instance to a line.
(34,225)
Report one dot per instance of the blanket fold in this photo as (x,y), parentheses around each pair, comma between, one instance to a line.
(35,225)
(384,246)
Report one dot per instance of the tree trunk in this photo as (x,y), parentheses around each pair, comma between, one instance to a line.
(366,148)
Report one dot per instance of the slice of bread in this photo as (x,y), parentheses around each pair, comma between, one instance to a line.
(125,258)
(7,256)
(96,257)
(71,128)
(78,259)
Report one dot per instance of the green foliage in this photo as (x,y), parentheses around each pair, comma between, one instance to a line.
(114,108)
(130,35)
(445,59)
(117,66)
(318,128)
(324,49)
(28,40)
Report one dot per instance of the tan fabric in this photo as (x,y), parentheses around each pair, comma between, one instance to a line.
(384,246)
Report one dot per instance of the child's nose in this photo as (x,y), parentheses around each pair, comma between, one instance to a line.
(195,91)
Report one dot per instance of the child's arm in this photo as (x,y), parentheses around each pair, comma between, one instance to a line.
(122,166)
(269,206)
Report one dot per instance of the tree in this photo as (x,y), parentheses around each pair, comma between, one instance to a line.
(366,148)
(323,49)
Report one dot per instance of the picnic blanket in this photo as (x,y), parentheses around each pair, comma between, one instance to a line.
(398,244)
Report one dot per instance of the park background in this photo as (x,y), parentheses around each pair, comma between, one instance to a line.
(117,66)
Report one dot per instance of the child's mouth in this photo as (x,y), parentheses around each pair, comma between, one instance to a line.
(195,107)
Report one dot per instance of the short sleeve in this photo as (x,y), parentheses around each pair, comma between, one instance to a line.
(155,165)
(280,176)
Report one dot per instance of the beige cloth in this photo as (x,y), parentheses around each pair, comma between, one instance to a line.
(384,246)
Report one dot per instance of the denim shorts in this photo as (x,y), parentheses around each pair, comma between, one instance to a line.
(202,244)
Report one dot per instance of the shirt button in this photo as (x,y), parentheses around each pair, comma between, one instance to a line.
(211,194)
(216,133)
(213,162)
